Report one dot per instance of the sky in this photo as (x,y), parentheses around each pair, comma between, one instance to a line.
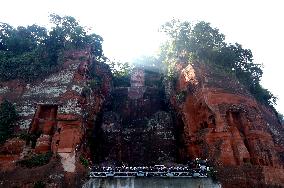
(130,27)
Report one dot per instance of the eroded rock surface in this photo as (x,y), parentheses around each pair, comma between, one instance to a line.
(222,122)
(57,112)
(82,118)
(137,124)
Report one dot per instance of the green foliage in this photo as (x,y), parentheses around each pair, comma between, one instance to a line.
(8,117)
(36,160)
(26,66)
(83,58)
(24,136)
(32,51)
(189,42)
(262,95)
(66,32)
(205,41)
(95,83)
(21,39)
(92,70)
(121,81)
(192,41)
(281,118)
(168,57)
(121,73)
(120,69)
(181,96)
(84,161)
(86,91)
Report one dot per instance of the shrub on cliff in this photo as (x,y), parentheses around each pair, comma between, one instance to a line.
(36,160)
(121,73)
(84,161)
(32,51)
(8,117)
(281,118)
(188,42)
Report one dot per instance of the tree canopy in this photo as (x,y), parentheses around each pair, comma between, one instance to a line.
(8,117)
(188,42)
(27,52)
(121,73)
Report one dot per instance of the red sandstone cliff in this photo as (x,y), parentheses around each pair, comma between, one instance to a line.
(211,116)
(58,113)
(221,121)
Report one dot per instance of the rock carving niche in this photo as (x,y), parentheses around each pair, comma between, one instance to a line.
(262,155)
(248,146)
(183,155)
(67,136)
(44,120)
(212,121)
(206,117)
(237,127)
(43,126)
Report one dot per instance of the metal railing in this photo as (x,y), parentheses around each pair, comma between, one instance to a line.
(198,172)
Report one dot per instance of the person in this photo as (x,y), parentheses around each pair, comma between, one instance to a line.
(203,167)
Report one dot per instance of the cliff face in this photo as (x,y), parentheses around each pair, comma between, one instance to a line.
(222,122)
(77,115)
(136,122)
(57,112)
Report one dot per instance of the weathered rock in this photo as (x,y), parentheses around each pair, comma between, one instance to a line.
(43,144)
(222,122)
(137,124)
(13,146)
(68,136)
(57,112)
(10,152)
(75,112)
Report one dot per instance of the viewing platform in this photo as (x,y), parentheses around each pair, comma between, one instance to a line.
(195,170)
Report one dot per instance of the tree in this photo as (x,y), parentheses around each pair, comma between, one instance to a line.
(68,33)
(21,39)
(205,41)
(8,117)
(121,73)
(27,52)
(5,32)
(178,45)
(188,42)
(281,118)
(200,40)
